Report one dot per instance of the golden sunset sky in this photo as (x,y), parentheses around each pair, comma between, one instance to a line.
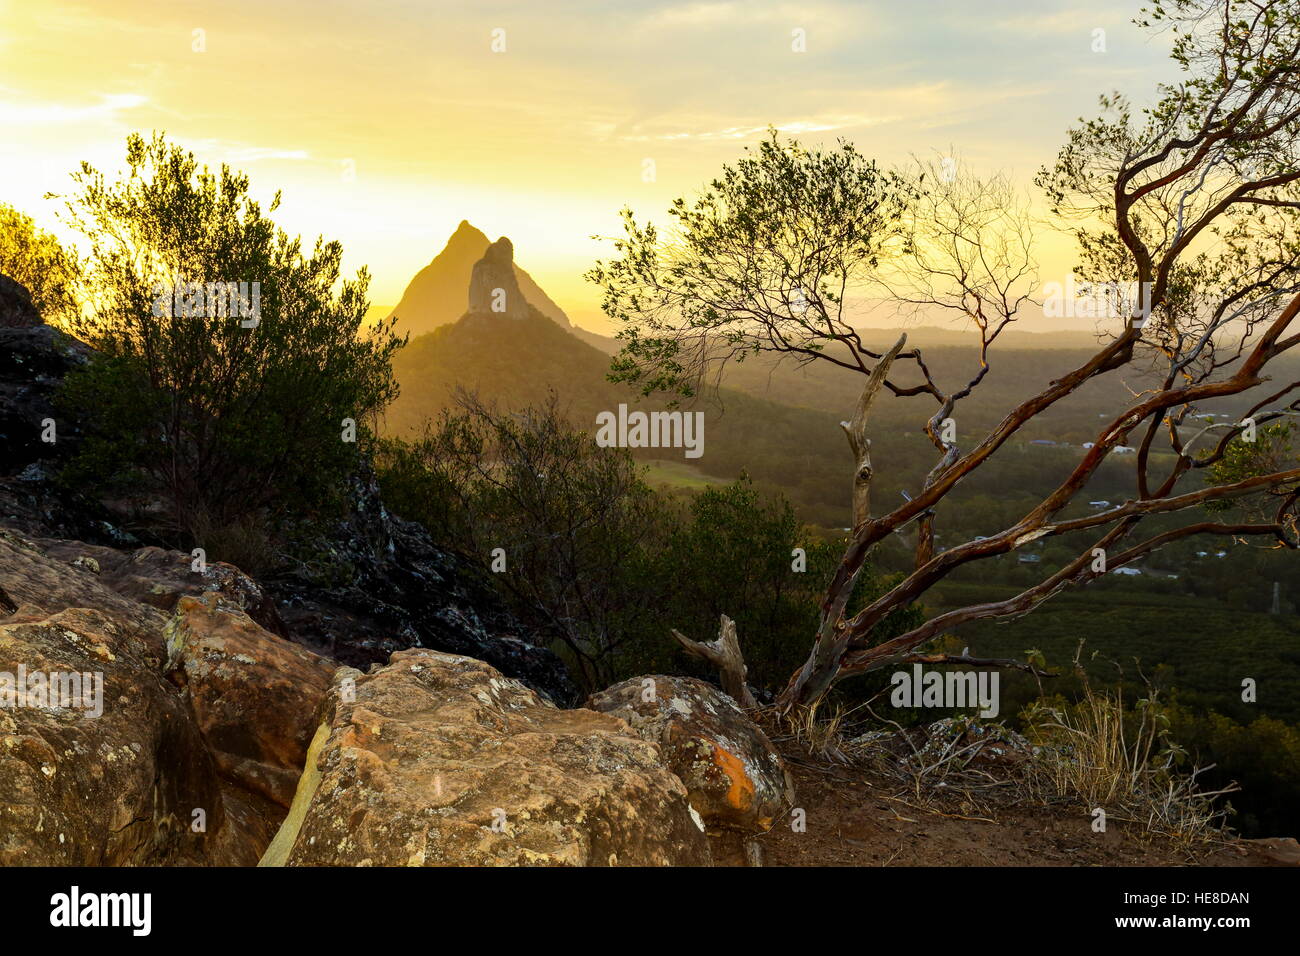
(387,122)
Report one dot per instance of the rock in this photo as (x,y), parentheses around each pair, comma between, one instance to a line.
(1274,851)
(400,590)
(32,504)
(255,696)
(985,746)
(42,584)
(33,362)
(493,288)
(440,760)
(161,578)
(16,308)
(122,787)
(735,777)
(116,789)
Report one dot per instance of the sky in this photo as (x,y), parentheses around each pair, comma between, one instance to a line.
(387,122)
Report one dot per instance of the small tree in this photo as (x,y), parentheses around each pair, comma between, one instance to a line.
(1188,211)
(577,527)
(35,258)
(233,377)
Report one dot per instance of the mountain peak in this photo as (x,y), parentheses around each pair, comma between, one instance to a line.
(466,237)
(493,287)
(436,294)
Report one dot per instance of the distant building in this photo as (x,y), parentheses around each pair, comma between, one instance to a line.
(1030,558)
(1124,449)
(1128,572)
(1099,504)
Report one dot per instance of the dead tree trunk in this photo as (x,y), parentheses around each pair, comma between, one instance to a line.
(818,672)
(724,654)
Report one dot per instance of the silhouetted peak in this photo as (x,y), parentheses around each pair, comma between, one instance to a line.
(501,252)
(493,286)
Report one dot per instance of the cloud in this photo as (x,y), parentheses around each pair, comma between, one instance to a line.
(58,114)
(745,131)
(225,151)
(1066,21)
(732,12)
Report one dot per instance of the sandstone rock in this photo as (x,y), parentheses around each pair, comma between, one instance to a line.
(161,578)
(115,789)
(122,787)
(35,579)
(735,777)
(493,288)
(439,760)
(255,695)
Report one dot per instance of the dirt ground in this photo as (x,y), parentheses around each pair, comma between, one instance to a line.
(855,820)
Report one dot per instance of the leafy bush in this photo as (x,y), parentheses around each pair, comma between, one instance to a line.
(598,563)
(576,525)
(230,414)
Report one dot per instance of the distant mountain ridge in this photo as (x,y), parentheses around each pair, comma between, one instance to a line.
(437,295)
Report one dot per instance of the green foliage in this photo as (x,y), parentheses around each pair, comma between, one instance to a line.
(225,414)
(1271,451)
(599,564)
(1262,755)
(577,525)
(33,257)
(734,554)
(758,262)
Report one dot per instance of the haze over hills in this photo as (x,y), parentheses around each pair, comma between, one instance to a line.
(494,335)
(437,295)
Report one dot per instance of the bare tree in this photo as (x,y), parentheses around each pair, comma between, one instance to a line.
(1185,212)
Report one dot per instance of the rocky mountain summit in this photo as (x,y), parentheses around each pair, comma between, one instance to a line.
(435,296)
(493,289)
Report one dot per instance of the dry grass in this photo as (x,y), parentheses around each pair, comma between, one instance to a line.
(1098,752)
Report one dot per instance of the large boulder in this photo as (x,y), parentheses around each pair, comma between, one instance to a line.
(735,777)
(110,771)
(437,759)
(121,786)
(40,583)
(255,695)
(161,578)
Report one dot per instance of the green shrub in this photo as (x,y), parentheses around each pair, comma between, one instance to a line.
(231,414)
